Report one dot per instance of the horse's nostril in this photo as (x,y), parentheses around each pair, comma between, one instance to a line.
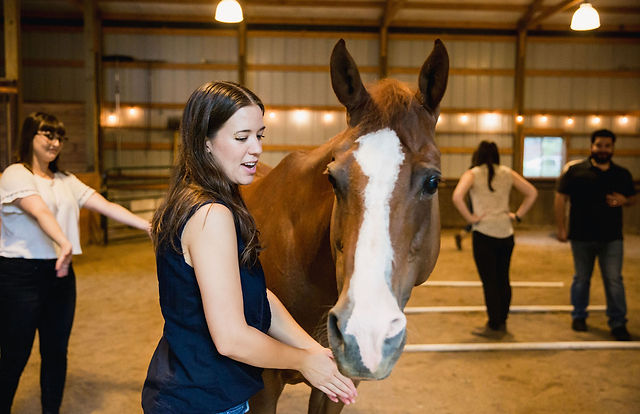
(396,326)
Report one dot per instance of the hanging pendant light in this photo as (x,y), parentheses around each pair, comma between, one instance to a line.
(585,18)
(229,11)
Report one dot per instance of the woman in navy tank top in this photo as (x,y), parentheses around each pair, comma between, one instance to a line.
(222,325)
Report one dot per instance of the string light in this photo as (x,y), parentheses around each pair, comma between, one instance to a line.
(328,117)
(301,116)
(112,119)
(272,115)
(623,120)
(133,112)
(490,121)
(570,121)
(464,118)
(595,120)
(543,119)
(519,119)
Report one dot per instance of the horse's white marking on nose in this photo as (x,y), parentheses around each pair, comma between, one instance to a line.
(375,315)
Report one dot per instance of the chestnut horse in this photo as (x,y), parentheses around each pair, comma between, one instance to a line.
(351,227)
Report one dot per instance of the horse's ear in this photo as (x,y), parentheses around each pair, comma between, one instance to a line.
(346,83)
(433,77)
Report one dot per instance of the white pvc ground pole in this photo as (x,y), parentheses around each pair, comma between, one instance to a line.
(522,346)
(409,310)
(477,283)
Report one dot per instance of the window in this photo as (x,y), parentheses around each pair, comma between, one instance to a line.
(543,156)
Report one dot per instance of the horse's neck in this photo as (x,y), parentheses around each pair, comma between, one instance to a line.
(313,193)
(303,203)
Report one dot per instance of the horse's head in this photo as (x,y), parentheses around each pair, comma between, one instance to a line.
(385,225)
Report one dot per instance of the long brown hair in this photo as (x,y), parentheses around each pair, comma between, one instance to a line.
(34,122)
(197,178)
(487,153)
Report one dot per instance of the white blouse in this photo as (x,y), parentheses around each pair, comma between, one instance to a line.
(21,236)
(493,206)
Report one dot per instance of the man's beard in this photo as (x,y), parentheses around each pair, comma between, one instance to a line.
(601,157)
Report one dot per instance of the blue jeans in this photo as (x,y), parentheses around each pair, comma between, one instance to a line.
(609,256)
(238,409)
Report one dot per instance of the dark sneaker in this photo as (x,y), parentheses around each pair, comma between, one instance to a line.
(490,333)
(579,325)
(458,240)
(621,333)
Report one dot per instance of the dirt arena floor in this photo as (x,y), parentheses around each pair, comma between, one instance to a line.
(118,324)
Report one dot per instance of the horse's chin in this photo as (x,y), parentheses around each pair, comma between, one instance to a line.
(350,362)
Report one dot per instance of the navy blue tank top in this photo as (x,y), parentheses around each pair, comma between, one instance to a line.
(187,375)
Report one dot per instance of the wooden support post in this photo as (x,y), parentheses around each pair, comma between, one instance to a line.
(389,11)
(13,72)
(92,78)
(518,100)
(242,53)
(384,49)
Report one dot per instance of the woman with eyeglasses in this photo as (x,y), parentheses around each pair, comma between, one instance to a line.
(40,207)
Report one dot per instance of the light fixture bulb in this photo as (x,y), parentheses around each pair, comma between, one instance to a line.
(112,119)
(301,116)
(327,117)
(229,11)
(519,119)
(585,18)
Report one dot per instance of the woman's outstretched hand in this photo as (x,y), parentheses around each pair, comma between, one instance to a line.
(64,260)
(321,371)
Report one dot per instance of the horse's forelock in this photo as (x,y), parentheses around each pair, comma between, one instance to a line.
(392,100)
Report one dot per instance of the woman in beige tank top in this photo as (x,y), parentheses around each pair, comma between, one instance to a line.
(489,185)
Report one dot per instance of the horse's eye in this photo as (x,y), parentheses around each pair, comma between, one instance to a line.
(431,184)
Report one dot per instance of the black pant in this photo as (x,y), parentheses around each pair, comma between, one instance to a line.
(33,298)
(493,257)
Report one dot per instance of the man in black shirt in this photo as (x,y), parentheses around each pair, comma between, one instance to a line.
(597,189)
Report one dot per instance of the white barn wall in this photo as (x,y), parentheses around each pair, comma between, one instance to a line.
(172,48)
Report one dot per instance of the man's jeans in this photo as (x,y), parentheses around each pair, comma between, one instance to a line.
(609,256)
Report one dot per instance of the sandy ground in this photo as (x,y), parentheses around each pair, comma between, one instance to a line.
(118,323)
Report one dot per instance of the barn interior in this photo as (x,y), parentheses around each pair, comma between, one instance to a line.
(118,73)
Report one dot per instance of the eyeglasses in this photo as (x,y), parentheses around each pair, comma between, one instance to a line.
(52,136)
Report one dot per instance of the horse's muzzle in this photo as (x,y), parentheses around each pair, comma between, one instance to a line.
(348,352)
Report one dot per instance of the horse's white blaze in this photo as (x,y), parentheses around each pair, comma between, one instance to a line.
(375,315)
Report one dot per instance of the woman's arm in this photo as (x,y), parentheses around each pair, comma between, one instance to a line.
(461,190)
(528,190)
(209,239)
(35,206)
(285,329)
(116,212)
